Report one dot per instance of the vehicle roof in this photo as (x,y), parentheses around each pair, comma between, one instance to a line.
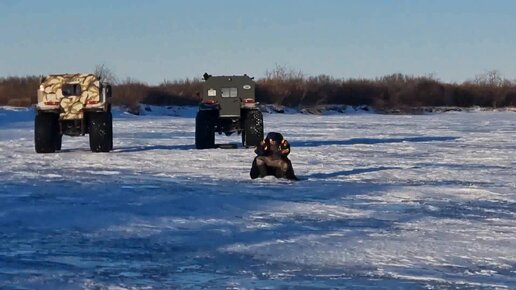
(69,75)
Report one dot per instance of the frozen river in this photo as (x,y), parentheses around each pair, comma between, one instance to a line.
(385,201)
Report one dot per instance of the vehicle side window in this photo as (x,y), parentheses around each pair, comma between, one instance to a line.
(229,92)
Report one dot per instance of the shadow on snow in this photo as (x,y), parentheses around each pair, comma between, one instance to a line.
(153,147)
(347,172)
(369,141)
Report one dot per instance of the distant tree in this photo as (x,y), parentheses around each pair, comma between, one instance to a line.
(105,73)
(284,73)
(490,78)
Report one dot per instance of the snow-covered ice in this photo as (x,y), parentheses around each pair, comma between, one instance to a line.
(385,201)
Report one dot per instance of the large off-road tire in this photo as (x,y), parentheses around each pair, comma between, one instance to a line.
(110,137)
(252,134)
(100,128)
(46,132)
(205,129)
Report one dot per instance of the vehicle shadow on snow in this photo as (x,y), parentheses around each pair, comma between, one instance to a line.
(153,147)
(346,172)
(369,141)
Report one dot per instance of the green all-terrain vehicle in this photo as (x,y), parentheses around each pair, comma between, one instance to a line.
(228,106)
(74,105)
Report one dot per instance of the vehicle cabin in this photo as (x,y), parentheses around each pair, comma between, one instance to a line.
(231,93)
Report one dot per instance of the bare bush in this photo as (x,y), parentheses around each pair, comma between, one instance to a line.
(106,74)
(282,86)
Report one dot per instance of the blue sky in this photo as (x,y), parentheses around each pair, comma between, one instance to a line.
(156,40)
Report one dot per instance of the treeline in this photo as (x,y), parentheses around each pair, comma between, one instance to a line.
(131,93)
(18,91)
(293,89)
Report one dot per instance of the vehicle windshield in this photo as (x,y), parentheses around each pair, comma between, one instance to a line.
(71,90)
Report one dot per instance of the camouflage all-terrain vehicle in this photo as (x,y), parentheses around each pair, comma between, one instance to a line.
(228,106)
(74,105)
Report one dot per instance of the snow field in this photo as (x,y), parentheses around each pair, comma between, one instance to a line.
(385,201)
